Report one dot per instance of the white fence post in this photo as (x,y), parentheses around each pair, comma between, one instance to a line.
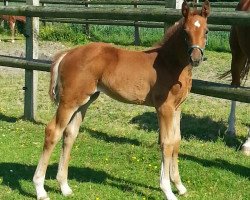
(31,77)
(172,4)
(137,32)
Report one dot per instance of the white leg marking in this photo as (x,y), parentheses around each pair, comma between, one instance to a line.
(181,188)
(165,185)
(231,119)
(66,190)
(40,191)
(246,145)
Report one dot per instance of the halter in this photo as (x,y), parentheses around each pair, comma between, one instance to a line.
(191,48)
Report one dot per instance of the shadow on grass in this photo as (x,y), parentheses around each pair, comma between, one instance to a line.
(8,119)
(15,119)
(220,164)
(13,173)
(108,138)
(191,127)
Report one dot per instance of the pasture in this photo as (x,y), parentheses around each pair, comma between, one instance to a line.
(116,155)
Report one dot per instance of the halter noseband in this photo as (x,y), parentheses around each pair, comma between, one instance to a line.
(191,48)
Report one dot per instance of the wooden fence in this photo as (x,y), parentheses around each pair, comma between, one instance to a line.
(134,3)
(123,2)
(139,14)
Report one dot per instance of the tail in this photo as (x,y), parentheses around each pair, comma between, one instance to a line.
(244,72)
(54,90)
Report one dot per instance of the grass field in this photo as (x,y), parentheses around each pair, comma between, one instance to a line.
(116,155)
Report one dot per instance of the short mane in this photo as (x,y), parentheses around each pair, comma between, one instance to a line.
(170,31)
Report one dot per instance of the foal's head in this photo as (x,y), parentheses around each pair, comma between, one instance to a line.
(195,30)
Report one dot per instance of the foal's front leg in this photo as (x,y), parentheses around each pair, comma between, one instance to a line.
(168,142)
(174,170)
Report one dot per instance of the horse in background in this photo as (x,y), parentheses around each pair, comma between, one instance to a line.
(12,20)
(240,65)
(160,77)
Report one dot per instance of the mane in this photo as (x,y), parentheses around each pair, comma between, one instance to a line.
(171,31)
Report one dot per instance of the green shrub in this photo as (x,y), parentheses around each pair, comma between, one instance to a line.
(218,41)
(63,33)
(121,35)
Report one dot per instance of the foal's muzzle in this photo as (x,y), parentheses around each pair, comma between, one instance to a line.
(195,53)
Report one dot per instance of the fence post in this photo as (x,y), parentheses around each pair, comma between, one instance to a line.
(137,33)
(86,28)
(43,22)
(31,77)
(5,2)
(5,24)
(172,4)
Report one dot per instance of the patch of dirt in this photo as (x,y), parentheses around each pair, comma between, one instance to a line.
(46,51)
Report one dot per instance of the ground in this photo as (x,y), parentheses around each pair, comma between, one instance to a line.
(116,155)
(46,50)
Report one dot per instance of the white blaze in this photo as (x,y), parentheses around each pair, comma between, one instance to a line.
(197,24)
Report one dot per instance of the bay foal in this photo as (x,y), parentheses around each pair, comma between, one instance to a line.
(12,22)
(240,47)
(160,77)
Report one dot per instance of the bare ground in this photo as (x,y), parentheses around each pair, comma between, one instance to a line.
(46,51)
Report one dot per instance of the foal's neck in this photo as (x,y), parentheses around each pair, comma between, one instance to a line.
(174,50)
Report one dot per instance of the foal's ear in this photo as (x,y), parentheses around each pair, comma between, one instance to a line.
(205,11)
(185,9)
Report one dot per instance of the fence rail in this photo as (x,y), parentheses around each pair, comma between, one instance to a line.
(124,2)
(151,15)
(211,27)
(138,14)
(212,89)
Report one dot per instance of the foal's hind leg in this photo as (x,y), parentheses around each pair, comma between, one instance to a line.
(69,137)
(53,133)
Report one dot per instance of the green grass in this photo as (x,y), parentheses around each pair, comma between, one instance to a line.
(217,41)
(120,35)
(116,155)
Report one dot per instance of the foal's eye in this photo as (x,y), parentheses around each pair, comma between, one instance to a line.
(206,32)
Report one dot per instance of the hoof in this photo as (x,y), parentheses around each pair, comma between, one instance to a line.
(246,150)
(171,196)
(67,193)
(183,192)
(43,198)
(181,189)
(66,190)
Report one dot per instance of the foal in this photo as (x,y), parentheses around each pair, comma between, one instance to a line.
(12,21)
(240,47)
(160,77)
